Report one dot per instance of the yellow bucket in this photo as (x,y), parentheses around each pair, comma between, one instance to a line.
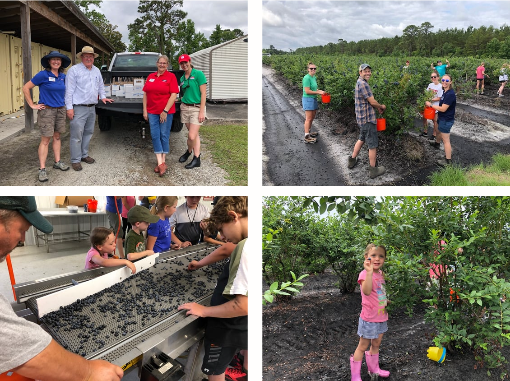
(436,354)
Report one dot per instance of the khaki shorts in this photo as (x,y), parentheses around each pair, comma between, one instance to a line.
(189,114)
(51,120)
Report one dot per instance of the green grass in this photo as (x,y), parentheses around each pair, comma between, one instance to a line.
(495,174)
(228,144)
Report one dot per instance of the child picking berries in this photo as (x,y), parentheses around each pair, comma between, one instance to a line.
(373,319)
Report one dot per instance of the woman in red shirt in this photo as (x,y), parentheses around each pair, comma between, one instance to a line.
(159,94)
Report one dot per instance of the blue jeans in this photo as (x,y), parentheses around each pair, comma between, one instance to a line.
(81,130)
(160,133)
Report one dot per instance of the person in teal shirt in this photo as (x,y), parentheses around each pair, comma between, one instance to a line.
(309,101)
(193,86)
(441,69)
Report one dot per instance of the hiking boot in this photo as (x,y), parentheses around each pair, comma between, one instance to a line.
(76,166)
(377,171)
(444,162)
(88,160)
(43,176)
(309,139)
(60,165)
(193,163)
(234,374)
(435,144)
(352,162)
(184,157)
(314,134)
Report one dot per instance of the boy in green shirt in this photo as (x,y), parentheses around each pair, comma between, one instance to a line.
(139,217)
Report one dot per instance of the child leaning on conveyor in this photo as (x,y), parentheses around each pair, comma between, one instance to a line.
(103,243)
(227,316)
(139,217)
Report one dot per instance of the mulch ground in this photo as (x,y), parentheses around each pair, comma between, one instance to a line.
(311,337)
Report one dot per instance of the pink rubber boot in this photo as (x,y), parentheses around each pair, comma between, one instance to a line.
(355,369)
(373,366)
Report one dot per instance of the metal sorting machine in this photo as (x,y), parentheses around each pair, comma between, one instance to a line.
(128,320)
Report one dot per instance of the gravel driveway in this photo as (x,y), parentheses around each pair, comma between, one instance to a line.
(122,158)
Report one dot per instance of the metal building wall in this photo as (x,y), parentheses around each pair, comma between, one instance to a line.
(223,84)
(230,84)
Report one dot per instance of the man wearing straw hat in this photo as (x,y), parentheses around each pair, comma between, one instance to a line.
(26,348)
(365,116)
(84,84)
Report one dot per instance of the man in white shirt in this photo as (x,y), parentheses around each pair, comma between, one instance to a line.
(84,84)
(26,348)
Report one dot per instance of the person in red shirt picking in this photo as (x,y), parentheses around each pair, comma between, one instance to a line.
(159,95)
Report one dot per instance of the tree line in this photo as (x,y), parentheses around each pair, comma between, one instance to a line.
(419,40)
(162,27)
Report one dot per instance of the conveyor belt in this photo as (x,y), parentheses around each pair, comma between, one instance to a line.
(133,307)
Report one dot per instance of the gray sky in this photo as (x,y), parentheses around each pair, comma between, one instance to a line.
(205,14)
(294,24)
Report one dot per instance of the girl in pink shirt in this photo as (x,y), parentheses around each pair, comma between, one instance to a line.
(373,319)
(103,243)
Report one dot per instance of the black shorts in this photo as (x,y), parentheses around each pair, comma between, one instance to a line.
(216,358)
(368,134)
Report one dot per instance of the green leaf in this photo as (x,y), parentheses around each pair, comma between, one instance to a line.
(331,207)
(269,298)
(303,276)
(307,203)
(323,208)
(299,284)
(292,289)
(274,286)
(479,301)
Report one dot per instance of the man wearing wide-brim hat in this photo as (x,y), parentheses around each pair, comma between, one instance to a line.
(26,348)
(84,84)
(51,110)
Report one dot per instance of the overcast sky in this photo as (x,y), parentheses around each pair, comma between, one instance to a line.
(205,14)
(294,24)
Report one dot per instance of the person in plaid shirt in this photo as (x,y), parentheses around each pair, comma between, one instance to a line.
(365,116)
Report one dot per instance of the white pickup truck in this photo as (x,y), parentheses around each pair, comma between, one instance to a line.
(124,69)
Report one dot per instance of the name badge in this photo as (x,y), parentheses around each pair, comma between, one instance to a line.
(52,79)
(191,77)
(163,80)
(151,80)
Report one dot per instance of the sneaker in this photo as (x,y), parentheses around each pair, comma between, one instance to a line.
(60,165)
(43,176)
(352,162)
(234,374)
(377,171)
(237,361)
(309,139)
(88,160)
(433,137)
(424,134)
(314,134)
(435,144)
(500,95)
(444,162)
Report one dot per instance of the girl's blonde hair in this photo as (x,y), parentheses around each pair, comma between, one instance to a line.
(371,246)
(161,202)
(99,235)
(309,63)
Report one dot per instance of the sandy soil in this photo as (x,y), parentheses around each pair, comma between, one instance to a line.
(312,336)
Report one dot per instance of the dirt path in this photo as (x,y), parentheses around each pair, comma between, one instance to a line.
(481,129)
(312,336)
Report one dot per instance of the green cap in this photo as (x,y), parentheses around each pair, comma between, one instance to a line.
(27,207)
(139,213)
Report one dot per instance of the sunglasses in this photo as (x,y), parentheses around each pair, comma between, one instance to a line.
(433,76)
(445,80)
(312,68)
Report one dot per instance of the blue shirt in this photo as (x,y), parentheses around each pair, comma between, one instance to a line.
(161,230)
(51,89)
(441,69)
(83,86)
(449,98)
(110,204)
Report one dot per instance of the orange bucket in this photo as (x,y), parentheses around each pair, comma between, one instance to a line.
(92,204)
(326,98)
(429,113)
(11,376)
(381,124)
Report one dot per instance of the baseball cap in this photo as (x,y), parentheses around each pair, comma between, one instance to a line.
(184,58)
(139,213)
(27,207)
(364,66)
